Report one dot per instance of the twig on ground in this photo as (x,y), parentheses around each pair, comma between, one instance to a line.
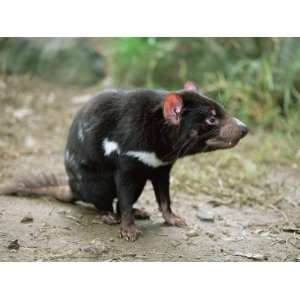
(280,212)
(253,256)
(293,244)
(291,229)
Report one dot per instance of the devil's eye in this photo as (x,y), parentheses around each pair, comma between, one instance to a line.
(211,120)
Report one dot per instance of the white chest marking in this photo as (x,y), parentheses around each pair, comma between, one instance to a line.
(240,123)
(148,158)
(110,146)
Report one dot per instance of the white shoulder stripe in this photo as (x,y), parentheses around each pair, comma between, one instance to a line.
(110,146)
(148,158)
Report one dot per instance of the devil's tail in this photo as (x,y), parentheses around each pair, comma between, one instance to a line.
(40,185)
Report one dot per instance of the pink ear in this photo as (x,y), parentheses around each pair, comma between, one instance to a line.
(173,106)
(191,86)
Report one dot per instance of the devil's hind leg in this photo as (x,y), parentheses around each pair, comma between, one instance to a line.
(99,191)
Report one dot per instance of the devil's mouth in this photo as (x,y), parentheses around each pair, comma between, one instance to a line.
(217,143)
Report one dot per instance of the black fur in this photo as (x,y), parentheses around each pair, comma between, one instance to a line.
(136,122)
(165,125)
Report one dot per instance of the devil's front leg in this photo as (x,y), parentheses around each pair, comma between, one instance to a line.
(161,184)
(129,186)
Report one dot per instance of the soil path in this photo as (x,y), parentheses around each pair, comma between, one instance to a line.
(34,121)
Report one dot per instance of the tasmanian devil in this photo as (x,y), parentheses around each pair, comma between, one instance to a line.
(120,139)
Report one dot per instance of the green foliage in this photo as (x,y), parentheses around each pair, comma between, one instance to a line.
(256,78)
(61,60)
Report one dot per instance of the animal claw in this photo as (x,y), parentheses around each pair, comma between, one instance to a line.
(129,233)
(173,220)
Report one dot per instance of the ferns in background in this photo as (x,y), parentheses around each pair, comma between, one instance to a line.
(256,78)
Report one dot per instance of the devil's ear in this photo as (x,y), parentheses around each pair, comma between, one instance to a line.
(191,86)
(172,108)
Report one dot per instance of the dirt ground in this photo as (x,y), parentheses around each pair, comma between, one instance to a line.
(34,120)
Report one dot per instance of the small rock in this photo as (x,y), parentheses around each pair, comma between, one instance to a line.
(27,219)
(22,113)
(298,258)
(205,216)
(175,243)
(96,248)
(29,142)
(192,233)
(13,245)
(210,235)
(111,239)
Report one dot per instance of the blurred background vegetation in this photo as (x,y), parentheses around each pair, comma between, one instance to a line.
(258,79)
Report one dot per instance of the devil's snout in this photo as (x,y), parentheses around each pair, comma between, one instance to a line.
(244,129)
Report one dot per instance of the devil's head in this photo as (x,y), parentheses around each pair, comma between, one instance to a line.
(201,123)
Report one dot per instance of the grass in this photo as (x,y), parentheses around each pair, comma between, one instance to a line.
(256,79)
(237,175)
